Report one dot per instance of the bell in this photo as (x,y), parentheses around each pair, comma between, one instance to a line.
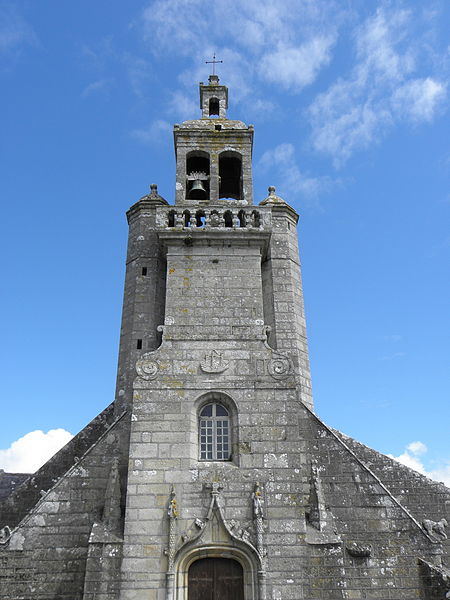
(197,191)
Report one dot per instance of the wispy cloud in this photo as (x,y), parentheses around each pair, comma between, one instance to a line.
(266,41)
(154,133)
(393,356)
(271,47)
(358,110)
(393,337)
(280,164)
(419,99)
(412,457)
(139,72)
(295,67)
(182,105)
(30,452)
(101,85)
(15,31)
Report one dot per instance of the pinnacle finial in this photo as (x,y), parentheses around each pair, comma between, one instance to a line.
(153,196)
(272,198)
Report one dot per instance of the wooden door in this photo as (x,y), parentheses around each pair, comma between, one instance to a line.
(216,579)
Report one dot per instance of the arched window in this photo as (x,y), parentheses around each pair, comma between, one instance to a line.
(197,175)
(214,431)
(214,107)
(230,173)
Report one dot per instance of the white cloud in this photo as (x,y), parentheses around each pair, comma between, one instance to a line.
(31,451)
(280,164)
(153,134)
(100,85)
(15,32)
(183,105)
(297,66)
(411,458)
(419,99)
(286,43)
(358,110)
(417,448)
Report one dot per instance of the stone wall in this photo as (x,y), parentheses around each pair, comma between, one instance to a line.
(46,554)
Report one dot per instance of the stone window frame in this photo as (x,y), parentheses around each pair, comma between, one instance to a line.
(217,397)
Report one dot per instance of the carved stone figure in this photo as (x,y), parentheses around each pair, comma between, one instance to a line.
(435,528)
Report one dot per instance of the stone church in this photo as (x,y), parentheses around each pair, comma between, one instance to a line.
(210,476)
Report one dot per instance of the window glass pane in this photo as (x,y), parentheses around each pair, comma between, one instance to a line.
(214,434)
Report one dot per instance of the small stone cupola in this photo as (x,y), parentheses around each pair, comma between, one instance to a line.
(213,99)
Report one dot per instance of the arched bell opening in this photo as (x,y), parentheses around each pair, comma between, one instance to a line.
(214,107)
(230,175)
(197,175)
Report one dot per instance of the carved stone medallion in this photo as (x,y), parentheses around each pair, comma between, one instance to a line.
(147,368)
(280,366)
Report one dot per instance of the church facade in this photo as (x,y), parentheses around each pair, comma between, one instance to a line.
(210,476)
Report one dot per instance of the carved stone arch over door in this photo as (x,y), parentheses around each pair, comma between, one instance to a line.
(247,563)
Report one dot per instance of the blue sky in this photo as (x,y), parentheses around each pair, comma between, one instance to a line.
(350,102)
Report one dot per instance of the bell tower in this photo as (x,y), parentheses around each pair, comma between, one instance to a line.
(214,153)
(214,362)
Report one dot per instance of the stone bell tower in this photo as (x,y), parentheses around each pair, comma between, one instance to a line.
(231,268)
(214,317)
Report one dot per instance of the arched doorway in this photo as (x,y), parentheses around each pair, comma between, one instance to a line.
(215,579)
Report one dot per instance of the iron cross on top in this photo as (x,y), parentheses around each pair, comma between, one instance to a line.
(213,62)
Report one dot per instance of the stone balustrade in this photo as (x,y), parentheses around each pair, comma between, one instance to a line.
(209,218)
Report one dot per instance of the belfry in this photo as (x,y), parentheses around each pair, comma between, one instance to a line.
(210,476)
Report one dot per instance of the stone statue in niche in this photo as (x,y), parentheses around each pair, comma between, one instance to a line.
(435,528)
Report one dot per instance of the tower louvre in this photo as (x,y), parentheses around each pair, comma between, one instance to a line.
(210,476)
